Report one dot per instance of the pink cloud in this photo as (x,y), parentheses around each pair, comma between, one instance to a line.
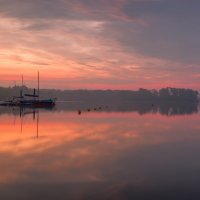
(85,53)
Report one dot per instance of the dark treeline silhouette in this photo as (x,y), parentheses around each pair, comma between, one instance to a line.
(166,101)
(165,94)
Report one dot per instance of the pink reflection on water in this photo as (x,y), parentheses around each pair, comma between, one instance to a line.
(78,148)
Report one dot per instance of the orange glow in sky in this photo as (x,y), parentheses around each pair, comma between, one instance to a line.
(99,45)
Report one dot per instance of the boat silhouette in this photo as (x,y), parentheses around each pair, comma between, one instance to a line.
(29,100)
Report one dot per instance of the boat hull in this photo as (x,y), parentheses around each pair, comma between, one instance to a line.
(38,103)
(30,103)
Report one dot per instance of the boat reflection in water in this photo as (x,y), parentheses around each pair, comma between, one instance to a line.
(112,153)
(27,112)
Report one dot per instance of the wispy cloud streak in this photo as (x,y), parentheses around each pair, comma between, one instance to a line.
(113,44)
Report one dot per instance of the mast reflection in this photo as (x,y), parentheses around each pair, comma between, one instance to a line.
(22,113)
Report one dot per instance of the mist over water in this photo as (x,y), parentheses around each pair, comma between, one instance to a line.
(84,150)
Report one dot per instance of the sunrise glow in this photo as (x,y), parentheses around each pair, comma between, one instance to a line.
(118,44)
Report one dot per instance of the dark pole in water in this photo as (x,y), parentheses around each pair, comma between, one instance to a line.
(38,124)
(21,118)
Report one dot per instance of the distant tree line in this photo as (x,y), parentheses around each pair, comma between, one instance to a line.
(166,101)
(162,95)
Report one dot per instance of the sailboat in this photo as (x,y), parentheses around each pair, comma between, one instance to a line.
(32,100)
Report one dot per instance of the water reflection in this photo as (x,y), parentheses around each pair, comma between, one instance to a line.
(98,155)
(142,107)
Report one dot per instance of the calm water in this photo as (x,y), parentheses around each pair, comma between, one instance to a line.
(111,153)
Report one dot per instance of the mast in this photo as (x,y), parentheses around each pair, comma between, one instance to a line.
(21,91)
(22,80)
(38,85)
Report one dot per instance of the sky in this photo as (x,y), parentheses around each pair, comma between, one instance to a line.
(100,44)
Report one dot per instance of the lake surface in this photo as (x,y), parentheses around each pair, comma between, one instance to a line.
(112,152)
